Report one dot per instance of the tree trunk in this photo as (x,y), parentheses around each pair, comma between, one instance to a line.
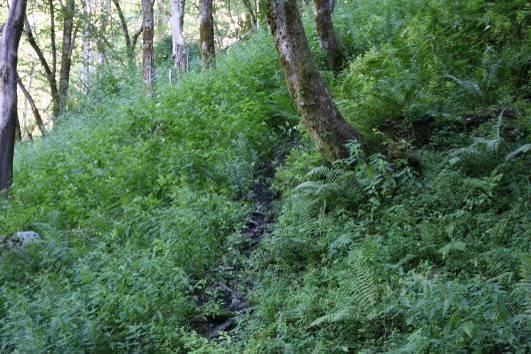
(18,130)
(250,9)
(85,39)
(53,42)
(327,36)
(206,33)
(179,52)
(8,89)
(49,71)
(66,52)
(105,20)
(29,99)
(123,23)
(147,53)
(329,131)
(130,42)
(262,7)
(162,19)
(26,102)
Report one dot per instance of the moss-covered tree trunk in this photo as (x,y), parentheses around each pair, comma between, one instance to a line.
(206,33)
(147,53)
(327,36)
(328,129)
(9,42)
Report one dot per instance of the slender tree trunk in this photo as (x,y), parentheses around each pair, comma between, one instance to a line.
(327,36)
(123,23)
(85,38)
(147,53)
(130,42)
(250,9)
(9,42)
(26,102)
(66,52)
(162,19)
(49,71)
(29,99)
(206,33)
(329,131)
(106,15)
(18,130)
(179,52)
(262,7)
(53,42)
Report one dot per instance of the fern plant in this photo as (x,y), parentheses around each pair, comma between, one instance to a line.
(489,144)
(356,296)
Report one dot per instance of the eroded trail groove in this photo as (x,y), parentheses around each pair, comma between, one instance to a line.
(230,287)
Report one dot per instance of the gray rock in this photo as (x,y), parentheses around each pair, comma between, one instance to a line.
(22,239)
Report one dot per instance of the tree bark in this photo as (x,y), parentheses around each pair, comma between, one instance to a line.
(66,52)
(147,53)
(59,91)
(250,9)
(18,130)
(206,34)
(327,36)
(53,43)
(25,110)
(123,23)
(329,131)
(34,109)
(48,71)
(179,52)
(8,89)
(130,42)
(100,43)
(162,19)
(85,39)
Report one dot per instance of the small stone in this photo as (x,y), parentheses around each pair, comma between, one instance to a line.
(22,239)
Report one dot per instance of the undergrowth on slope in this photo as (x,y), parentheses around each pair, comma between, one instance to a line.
(135,200)
(420,244)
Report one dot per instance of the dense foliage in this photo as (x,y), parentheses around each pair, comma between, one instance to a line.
(418,244)
(135,200)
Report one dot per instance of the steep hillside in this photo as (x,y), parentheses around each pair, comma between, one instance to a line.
(417,243)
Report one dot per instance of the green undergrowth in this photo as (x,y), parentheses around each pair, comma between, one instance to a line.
(134,200)
(420,244)
(370,258)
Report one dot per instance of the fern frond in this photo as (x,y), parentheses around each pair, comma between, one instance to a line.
(329,175)
(525,284)
(490,143)
(356,297)
(520,151)
(468,85)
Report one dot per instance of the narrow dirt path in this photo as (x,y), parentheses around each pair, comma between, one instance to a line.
(259,223)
